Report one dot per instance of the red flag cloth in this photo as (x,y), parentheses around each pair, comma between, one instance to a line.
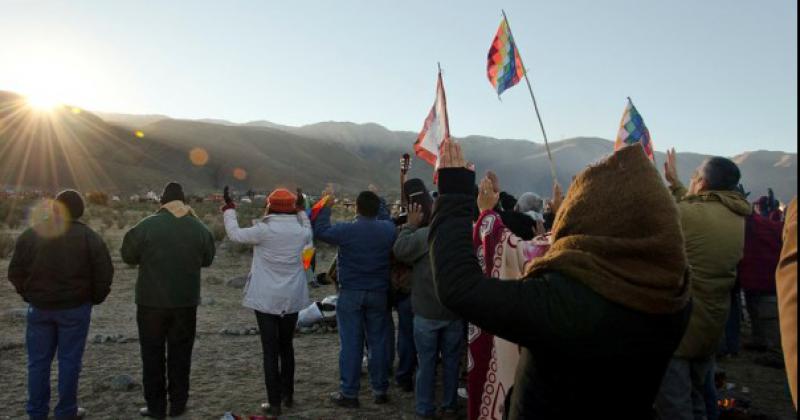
(317,207)
(436,129)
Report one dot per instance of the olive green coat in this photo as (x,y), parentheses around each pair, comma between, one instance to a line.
(713,230)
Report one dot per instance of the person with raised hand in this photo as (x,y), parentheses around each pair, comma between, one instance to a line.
(363,275)
(712,214)
(437,330)
(277,289)
(609,299)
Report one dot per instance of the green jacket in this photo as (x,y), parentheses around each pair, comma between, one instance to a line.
(169,251)
(713,230)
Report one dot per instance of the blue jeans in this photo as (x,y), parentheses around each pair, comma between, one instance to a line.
(710,394)
(433,337)
(359,312)
(406,350)
(49,331)
(730,342)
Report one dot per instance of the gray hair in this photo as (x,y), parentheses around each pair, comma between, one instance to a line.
(529,202)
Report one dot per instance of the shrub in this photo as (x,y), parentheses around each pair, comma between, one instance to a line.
(6,245)
(218,230)
(97,197)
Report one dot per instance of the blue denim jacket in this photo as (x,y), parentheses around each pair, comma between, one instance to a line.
(365,246)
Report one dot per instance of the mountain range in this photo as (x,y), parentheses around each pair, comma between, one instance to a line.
(122,154)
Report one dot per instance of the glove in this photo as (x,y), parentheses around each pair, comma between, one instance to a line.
(229,204)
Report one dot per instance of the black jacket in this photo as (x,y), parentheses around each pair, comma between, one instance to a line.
(62,272)
(584,356)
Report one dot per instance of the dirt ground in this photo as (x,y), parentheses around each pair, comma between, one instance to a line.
(226,370)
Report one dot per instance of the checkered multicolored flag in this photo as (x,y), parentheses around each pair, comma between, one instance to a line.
(632,130)
(504,67)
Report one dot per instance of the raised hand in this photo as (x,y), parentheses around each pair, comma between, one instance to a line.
(671,168)
(226,196)
(487,196)
(415,215)
(495,180)
(452,156)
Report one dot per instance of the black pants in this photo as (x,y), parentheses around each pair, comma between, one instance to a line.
(166,337)
(277,333)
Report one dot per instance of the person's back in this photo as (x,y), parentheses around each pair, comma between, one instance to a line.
(170,247)
(64,271)
(365,244)
(170,251)
(762,250)
(61,267)
(599,314)
(363,265)
(713,229)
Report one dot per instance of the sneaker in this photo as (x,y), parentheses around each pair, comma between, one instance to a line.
(341,401)
(145,412)
(381,399)
(81,413)
(270,411)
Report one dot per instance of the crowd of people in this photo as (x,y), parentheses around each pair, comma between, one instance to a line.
(624,278)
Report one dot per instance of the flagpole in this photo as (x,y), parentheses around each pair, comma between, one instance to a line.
(535,106)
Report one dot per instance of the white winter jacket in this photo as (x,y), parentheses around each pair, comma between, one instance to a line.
(277,282)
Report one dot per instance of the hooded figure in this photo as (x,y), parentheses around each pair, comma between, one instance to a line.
(609,299)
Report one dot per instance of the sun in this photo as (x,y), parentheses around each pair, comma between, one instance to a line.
(42,101)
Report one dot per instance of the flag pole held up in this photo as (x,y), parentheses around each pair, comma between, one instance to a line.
(535,105)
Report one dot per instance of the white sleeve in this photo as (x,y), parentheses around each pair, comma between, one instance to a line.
(252,235)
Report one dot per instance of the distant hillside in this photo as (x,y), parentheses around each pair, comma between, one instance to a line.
(88,151)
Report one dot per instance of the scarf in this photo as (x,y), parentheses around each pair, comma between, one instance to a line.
(178,208)
(618,232)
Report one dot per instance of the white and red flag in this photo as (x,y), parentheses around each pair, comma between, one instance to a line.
(436,129)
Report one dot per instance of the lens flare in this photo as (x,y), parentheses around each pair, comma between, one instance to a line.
(139,134)
(198,156)
(240,174)
(76,110)
(49,218)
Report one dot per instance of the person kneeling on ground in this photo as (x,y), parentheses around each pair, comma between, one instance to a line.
(608,302)
(61,268)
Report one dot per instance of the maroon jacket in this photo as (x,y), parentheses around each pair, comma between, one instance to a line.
(762,250)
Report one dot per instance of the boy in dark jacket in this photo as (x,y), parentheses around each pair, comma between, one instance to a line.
(365,246)
(170,247)
(609,299)
(61,268)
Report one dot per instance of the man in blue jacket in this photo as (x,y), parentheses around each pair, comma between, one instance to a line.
(364,245)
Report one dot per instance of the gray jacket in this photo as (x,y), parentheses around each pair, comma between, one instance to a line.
(411,248)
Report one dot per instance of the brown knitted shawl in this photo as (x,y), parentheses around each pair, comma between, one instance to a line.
(618,232)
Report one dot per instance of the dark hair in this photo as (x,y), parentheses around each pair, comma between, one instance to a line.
(721,174)
(172,192)
(73,201)
(417,193)
(368,204)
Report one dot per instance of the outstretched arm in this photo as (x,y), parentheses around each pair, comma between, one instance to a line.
(251,236)
(324,231)
(514,310)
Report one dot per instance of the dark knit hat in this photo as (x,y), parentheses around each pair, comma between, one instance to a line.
(73,201)
(172,191)
(282,201)
(417,193)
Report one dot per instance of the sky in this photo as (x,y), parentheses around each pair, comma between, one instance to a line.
(713,76)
